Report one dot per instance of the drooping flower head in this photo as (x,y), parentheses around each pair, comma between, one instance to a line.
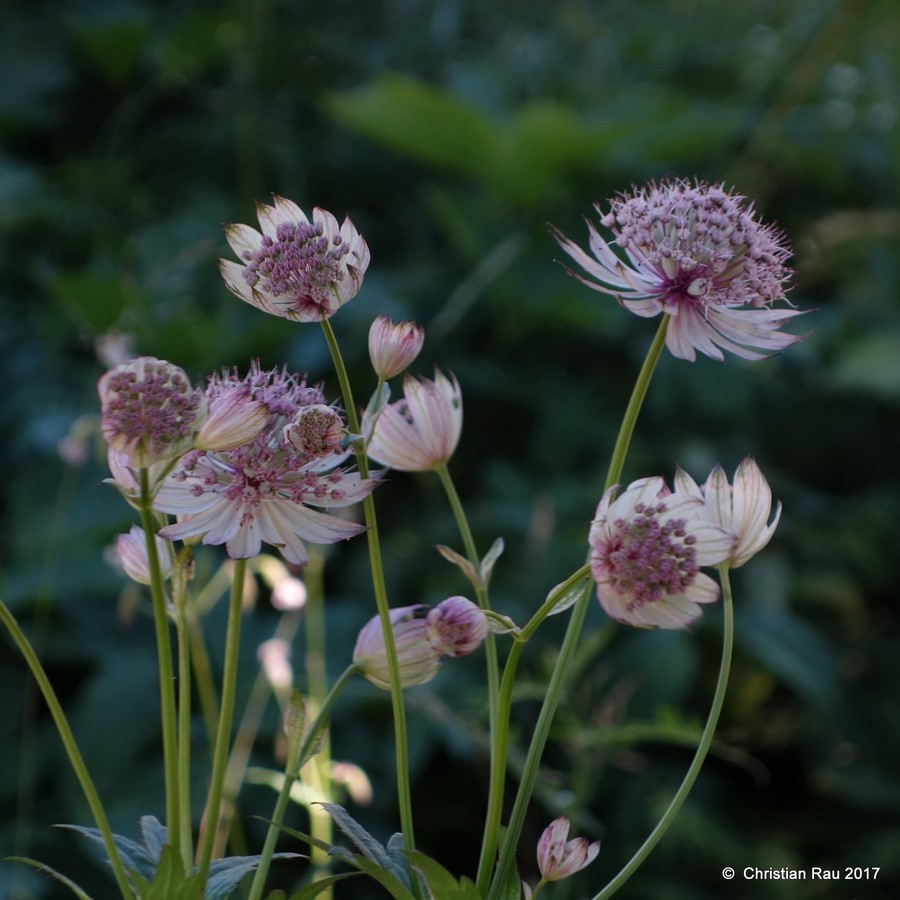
(131,549)
(559,858)
(417,659)
(421,431)
(263,491)
(150,411)
(743,509)
(456,626)
(647,547)
(296,268)
(698,254)
(393,347)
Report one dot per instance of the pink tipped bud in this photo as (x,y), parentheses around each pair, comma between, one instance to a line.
(315,431)
(456,626)
(235,419)
(132,551)
(393,347)
(558,858)
(417,659)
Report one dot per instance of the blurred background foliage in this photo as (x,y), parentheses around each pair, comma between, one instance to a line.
(452,132)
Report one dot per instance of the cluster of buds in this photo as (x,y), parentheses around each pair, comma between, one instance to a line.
(422,636)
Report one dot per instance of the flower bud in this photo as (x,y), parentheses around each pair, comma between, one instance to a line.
(235,419)
(418,661)
(558,858)
(456,626)
(393,347)
(315,431)
(132,551)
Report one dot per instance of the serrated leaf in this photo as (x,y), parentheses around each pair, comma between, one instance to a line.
(169,881)
(393,885)
(42,867)
(134,856)
(491,557)
(467,568)
(368,845)
(155,836)
(226,874)
(568,597)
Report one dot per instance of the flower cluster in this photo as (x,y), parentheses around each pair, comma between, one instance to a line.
(264,490)
(648,544)
(422,636)
(698,254)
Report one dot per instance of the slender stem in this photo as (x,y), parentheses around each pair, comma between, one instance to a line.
(498,742)
(404,794)
(290,776)
(166,673)
(702,749)
(573,632)
(226,712)
(184,735)
(638,393)
(71,747)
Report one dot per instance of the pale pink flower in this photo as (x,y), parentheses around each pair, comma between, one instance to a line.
(150,411)
(559,858)
(417,659)
(393,347)
(235,418)
(262,491)
(743,509)
(132,552)
(421,431)
(456,626)
(296,268)
(647,547)
(698,254)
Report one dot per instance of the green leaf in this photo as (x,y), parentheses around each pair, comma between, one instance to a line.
(170,881)
(134,856)
(568,598)
(317,887)
(155,835)
(442,885)
(391,862)
(76,890)
(226,874)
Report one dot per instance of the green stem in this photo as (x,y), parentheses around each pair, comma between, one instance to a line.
(184,736)
(226,712)
(290,776)
(699,757)
(404,794)
(71,747)
(573,632)
(166,672)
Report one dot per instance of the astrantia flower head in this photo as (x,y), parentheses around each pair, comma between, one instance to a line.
(456,626)
(262,491)
(316,431)
(150,411)
(647,547)
(743,509)
(296,268)
(559,858)
(696,253)
(417,659)
(421,431)
(392,348)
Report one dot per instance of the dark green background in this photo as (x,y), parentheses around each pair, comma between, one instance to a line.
(452,132)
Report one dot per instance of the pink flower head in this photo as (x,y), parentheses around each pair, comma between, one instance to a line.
(150,411)
(743,509)
(417,659)
(456,626)
(299,270)
(559,858)
(647,547)
(421,431)
(393,347)
(698,254)
(262,491)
